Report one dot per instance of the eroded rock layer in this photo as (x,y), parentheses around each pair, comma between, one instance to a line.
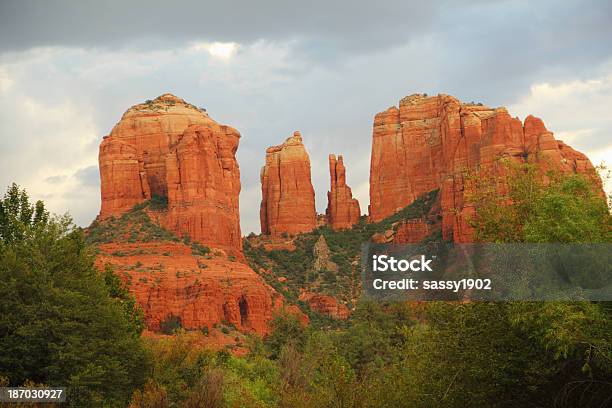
(170,282)
(342,209)
(171,149)
(429,143)
(288,201)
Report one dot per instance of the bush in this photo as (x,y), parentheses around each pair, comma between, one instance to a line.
(199,249)
(158,203)
(170,324)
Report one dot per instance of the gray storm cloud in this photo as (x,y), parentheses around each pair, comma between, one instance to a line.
(68,70)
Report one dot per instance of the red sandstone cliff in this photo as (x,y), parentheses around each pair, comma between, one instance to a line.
(429,142)
(288,203)
(170,148)
(342,209)
(168,280)
(203,182)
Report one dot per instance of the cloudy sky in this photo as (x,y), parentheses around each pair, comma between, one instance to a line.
(69,69)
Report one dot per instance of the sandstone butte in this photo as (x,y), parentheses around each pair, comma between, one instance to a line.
(170,148)
(288,200)
(429,143)
(342,209)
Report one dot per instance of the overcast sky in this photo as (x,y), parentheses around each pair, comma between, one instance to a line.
(69,69)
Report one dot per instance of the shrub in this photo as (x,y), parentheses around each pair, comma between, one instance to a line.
(199,249)
(170,324)
(158,203)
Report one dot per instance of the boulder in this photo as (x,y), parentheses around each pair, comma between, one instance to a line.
(325,304)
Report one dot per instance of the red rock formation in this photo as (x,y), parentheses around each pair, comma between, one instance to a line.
(169,148)
(342,209)
(288,203)
(124,182)
(167,279)
(203,182)
(411,231)
(324,304)
(429,142)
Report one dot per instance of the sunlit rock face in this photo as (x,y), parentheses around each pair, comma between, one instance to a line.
(170,150)
(288,200)
(342,209)
(429,143)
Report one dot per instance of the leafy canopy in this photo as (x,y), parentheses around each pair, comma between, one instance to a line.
(62,323)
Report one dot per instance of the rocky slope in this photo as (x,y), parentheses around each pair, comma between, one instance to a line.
(429,143)
(342,209)
(288,202)
(201,291)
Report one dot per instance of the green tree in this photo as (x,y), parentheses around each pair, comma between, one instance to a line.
(18,216)
(555,207)
(59,322)
(117,290)
(286,329)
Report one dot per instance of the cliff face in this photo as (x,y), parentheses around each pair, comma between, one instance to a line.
(167,279)
(170,148)
(288,203)
(429,142)
(124,181)
(203,182)
(342,209)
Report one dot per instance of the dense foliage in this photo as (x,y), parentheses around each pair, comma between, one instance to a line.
(551,208)
(62,323)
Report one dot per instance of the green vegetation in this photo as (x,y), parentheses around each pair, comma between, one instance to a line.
(62,323)
(158,203)
(133,226)
(345,249)
(117,291)
(476,355)
(199,249)
(567,209)
(170,324)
